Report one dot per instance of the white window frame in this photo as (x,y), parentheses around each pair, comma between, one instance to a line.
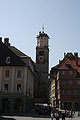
(8,60)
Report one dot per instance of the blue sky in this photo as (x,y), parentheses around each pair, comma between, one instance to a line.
(21,20)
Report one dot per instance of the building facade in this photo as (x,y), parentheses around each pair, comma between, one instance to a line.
(65,83)
(16,79)
(41,91)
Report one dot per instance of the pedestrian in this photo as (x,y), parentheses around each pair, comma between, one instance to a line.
(63,116)
(78,113)
(52,116)
(57,115)
(71,113)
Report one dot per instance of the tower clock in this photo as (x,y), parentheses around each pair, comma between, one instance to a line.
(42,67)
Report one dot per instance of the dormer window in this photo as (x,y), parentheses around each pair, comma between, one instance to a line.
(8,60)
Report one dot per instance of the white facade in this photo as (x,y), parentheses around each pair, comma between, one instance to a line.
(16,83)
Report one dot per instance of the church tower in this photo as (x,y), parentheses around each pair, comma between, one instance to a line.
(42,67)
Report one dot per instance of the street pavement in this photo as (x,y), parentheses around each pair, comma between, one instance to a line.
(33,117)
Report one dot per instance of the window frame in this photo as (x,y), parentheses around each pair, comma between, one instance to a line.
(70,72)
(63,72)
(19,73)
(7,73)
(6,87)
(18,87)
(8,60)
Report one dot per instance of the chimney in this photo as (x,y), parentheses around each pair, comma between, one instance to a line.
(64,54)
(59,61)
(76,54)
(6,41)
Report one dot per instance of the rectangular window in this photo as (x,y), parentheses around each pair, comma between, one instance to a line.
(63,73)
(75,92)
(19,73)
(70,82)
(68,92)
(63,82)
(18,87)
(70,72)
(78,82)
(5,87)
(63,92)
(7,73)
(41,53)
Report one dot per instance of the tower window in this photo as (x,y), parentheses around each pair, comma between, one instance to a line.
(41,52)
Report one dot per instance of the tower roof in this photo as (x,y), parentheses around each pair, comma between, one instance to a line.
(42,34)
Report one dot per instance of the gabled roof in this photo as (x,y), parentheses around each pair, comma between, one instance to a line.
(25,58)
(42,34)
(6,52)
(17,51)
(69,61)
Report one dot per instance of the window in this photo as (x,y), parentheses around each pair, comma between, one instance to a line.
(68,92)
(8,60)
(78,82)
(7,73)
(6,87)
(79,93)
(70,82)
(41,53)
(19,73)
(18,87)
(75,92)
(63,82)
(63,72)
(70,72)
(63,92)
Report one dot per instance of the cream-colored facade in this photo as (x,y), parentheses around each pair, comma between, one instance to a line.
(25,80)
(16,80)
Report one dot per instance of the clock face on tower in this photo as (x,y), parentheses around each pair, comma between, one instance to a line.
(41,58)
